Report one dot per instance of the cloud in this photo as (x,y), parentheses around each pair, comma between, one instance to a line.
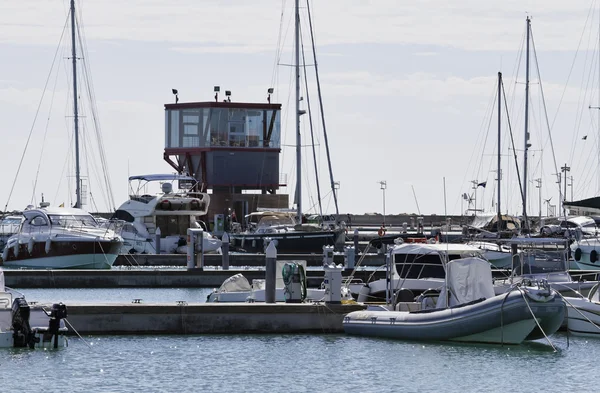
(468,24)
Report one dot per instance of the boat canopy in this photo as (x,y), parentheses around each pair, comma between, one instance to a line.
(467,280)
(163,177)
(489,222)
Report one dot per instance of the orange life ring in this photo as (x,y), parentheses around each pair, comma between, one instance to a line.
(381,231)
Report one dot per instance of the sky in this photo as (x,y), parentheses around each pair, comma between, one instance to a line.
(408,93)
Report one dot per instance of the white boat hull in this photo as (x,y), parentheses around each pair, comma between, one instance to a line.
(583,317)
(81,261)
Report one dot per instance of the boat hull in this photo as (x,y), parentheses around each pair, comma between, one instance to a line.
(583,317)
(65,255)
(501,319)
(287,243)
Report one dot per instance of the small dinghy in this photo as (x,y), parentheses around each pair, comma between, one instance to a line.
(22,325)
(467,310)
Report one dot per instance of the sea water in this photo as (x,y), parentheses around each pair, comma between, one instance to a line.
(298,363)
(287,362)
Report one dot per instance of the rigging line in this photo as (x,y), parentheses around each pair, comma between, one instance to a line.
(108,193)
(512,141)
(537,66)
(487,134)
(331,178)
(416,200)
(580,114)
(592,119)
(489,107)
(312,135)
(279,46)
(36,115)
(37,174)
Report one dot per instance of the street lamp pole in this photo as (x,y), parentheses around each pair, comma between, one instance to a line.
(383,185)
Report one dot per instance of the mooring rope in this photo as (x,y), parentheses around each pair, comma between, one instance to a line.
(535,319)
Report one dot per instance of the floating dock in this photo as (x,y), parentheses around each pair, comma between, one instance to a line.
(208,318)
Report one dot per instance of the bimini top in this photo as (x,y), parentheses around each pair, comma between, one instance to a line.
(163,177)
(425,248)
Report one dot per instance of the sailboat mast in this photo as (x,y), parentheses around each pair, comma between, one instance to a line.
(75,109)
(298,138)
(499,219)
(526,126)
(335,200)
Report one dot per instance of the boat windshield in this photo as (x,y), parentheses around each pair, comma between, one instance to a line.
(70,220)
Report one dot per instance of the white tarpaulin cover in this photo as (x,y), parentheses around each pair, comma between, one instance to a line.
(468,279)
(235,283)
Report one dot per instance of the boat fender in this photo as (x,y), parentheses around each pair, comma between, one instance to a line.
(165,205)
(30,245)
(195,205)
(16,249)
(381,231)
(5,254)
(593,256)
(578,254)
(48,245)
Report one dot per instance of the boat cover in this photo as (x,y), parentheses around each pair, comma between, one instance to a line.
(467,279)
(235,283)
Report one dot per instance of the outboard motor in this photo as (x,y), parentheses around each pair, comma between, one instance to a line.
(58,312)
(22,334)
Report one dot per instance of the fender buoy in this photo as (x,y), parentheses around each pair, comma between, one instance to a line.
(30,245)
(381,231)
(48,245)
(194,204)
(16,249)
(578,254)
(593,256)
(165,205)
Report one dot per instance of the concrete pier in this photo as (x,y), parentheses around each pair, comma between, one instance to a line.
(208,318)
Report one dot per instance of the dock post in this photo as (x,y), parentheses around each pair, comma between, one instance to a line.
(191,249)
(270,273)
(516,260)
(225,251)
(200,240)
(327,255)
(349,257)
(157,241)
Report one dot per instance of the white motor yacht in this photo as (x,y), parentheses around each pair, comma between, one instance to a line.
(61,238)
(167,212)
